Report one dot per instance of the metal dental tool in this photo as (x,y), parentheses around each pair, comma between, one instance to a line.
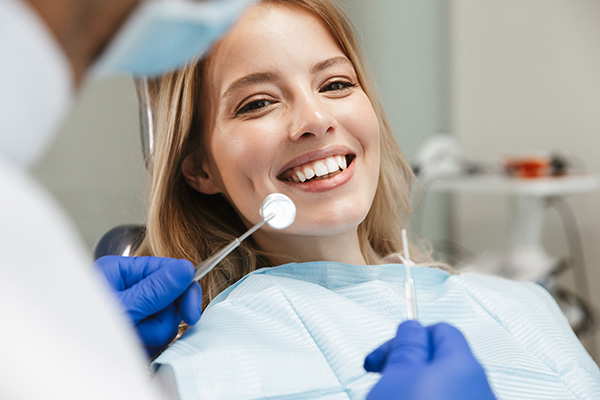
(277,210)
(409,285)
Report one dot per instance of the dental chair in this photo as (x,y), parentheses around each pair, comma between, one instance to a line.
(124,240)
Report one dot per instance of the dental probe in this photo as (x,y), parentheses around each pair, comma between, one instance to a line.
(409,285)
(277,210)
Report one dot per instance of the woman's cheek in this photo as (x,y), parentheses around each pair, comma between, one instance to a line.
(362,121)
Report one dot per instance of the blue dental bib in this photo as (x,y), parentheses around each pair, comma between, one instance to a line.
(302,331)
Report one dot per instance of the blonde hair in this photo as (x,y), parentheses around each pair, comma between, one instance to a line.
(183,223)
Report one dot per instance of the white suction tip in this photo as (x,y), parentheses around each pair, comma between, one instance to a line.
(281,207)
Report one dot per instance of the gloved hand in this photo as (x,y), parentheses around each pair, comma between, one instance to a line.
(430,363)
(156,293)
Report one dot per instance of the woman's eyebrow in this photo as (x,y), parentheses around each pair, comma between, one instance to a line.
(261,77)
(330,62)
(248,80)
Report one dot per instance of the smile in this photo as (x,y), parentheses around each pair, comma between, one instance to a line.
(320,169)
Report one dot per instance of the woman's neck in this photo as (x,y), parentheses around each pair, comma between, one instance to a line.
(343,247)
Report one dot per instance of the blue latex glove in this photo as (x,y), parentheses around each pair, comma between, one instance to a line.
(427,364)
(156,294)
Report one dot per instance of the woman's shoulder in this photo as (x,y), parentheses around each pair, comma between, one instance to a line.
(509,288)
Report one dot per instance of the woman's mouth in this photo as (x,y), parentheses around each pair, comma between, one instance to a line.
(319,169)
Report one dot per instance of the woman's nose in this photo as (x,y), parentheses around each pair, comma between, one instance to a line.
(311,118)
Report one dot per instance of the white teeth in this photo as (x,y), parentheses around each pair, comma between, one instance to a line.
(308,173)
(332,165)
(341,161)
(320,168)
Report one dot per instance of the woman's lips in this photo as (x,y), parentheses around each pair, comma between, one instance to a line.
(325,182)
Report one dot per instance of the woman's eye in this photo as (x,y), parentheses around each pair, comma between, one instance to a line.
(253,106)
(337,85)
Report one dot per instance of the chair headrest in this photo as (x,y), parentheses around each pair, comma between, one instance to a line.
(122,240)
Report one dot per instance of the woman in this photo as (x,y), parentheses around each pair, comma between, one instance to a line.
(187,220)
(283,104)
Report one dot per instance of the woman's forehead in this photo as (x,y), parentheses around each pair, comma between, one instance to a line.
(271,38)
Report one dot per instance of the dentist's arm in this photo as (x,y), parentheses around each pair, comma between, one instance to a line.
(157,293)
(432,363)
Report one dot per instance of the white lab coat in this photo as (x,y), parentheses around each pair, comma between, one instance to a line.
(62,333)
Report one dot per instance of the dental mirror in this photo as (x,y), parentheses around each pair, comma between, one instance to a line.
(277,210)
(282,207)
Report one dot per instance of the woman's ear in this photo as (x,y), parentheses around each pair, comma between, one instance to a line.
(197,177)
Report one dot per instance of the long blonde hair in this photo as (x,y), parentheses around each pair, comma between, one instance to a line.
(184,223)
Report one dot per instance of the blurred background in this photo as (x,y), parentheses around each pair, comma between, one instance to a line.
(497,78)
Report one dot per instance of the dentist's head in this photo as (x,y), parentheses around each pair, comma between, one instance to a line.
(58,41)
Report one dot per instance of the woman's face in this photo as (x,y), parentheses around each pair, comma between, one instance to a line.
(283,103)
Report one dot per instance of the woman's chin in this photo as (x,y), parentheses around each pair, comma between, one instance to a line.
(331,224)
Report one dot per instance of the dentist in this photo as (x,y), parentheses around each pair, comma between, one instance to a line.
(64,335)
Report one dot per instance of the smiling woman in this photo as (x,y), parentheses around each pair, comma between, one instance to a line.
(283,103)
(306,107)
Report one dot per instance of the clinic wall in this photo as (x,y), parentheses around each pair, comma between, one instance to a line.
(95,167)
(525,78)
